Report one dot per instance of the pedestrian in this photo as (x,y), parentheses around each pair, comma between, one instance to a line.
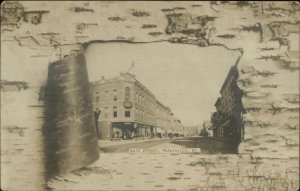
(124,135)
(96,115)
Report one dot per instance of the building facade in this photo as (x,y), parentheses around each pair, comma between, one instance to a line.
(227,120)
(190,130)
(163,119)
(130,108)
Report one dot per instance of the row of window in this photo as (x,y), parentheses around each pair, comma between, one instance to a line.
(127,113)
(163,114)
(141,100)
(164,120)
(144,101)
(144,116)
(115,112)
(115,95)
(144,109)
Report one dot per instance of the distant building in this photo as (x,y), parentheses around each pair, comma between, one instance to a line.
(227,121)
(130,109)
(190,130)
(177,127)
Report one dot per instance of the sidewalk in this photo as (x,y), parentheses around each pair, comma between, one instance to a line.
(107,143)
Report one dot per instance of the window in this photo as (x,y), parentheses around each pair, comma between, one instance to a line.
(115,113)
(127,94)
(97,96)
(106,113)
(127,113)
(115,97)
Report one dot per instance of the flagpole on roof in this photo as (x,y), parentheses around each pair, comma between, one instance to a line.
(133,63)
(132,66)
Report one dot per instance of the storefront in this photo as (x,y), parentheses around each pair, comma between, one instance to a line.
(142,130)
(123,130)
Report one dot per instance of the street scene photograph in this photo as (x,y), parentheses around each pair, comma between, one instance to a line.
(154,95)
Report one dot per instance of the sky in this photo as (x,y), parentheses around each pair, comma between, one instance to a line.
(187,78)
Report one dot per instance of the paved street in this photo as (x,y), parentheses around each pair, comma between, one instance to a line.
(208,145)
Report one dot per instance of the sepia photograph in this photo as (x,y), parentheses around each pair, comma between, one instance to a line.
(150,95)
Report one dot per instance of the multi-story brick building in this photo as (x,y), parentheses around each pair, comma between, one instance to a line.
(227,120)
(130,108)
(163,118)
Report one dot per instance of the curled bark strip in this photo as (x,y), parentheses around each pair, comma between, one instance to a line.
(69,132)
